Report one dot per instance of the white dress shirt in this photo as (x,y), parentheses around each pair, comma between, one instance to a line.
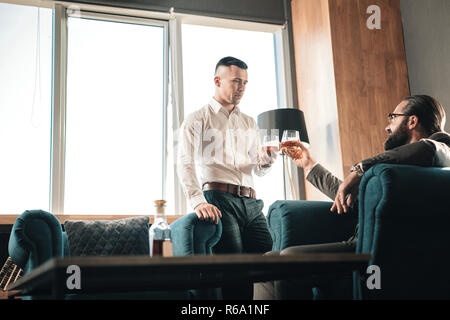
(224,145)
(442,156)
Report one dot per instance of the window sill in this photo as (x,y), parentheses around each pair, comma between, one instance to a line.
(11,218)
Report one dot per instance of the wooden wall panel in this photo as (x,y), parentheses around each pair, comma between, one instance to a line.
(370,72)
(348,76)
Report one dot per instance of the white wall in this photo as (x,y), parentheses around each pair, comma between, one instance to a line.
(426,28)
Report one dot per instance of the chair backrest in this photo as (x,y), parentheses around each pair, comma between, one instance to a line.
(404,223)
(36,237)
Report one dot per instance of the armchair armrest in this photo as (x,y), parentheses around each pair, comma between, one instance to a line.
(36,237)
(302,222)
(190,235)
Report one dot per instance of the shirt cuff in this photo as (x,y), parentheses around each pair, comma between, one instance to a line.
(260,171)
(196,200)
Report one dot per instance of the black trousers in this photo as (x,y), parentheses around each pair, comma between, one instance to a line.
(244,230)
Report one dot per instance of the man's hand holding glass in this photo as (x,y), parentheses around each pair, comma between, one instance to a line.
(296,150)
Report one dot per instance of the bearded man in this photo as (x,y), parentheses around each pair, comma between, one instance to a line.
(416,137)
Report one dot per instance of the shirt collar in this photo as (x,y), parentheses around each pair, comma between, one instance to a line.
(216,106)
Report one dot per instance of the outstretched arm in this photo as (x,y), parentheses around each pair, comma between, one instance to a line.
(315,173)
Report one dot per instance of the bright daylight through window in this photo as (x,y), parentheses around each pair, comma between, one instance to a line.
(114,121)
(25,107)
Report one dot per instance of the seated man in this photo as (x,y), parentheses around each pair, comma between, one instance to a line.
(416,137)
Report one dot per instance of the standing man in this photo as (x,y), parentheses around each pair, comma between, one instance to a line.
(224,143)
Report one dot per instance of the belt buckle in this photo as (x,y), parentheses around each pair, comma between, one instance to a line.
(239,191)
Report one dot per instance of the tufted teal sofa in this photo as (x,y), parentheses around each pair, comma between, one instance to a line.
(38,236)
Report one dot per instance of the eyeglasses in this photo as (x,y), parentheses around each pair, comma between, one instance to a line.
(392,116)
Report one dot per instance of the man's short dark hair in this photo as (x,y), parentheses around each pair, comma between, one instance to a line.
(231,61)
(429,111)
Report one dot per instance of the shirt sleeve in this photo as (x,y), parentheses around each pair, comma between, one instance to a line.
(256,149)
(189,142)
(442,153)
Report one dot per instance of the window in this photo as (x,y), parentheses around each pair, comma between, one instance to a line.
(203,47)
(25,107)
(86,123)
(114,117)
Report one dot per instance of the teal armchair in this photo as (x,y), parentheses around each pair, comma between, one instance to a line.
(404,218)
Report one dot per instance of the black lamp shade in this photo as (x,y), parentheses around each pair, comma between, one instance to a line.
(284,119)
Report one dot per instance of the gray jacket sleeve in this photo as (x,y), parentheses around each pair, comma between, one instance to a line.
(418,153)
(324,180)
(421,153)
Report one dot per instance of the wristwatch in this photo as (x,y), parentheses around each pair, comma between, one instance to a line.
(358,169)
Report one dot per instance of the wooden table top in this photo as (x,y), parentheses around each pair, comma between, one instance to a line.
(134,273)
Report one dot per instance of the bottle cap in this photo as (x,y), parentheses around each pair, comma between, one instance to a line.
(160,204)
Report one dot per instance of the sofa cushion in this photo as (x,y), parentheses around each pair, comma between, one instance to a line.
(127,236)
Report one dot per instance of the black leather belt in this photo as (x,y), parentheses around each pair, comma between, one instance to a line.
(230,188)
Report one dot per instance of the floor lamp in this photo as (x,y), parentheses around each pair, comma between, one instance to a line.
(274,122)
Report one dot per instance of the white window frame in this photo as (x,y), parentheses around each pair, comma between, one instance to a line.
(176,55)
(285,81)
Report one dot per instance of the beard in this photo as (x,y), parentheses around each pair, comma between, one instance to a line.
(398,138)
